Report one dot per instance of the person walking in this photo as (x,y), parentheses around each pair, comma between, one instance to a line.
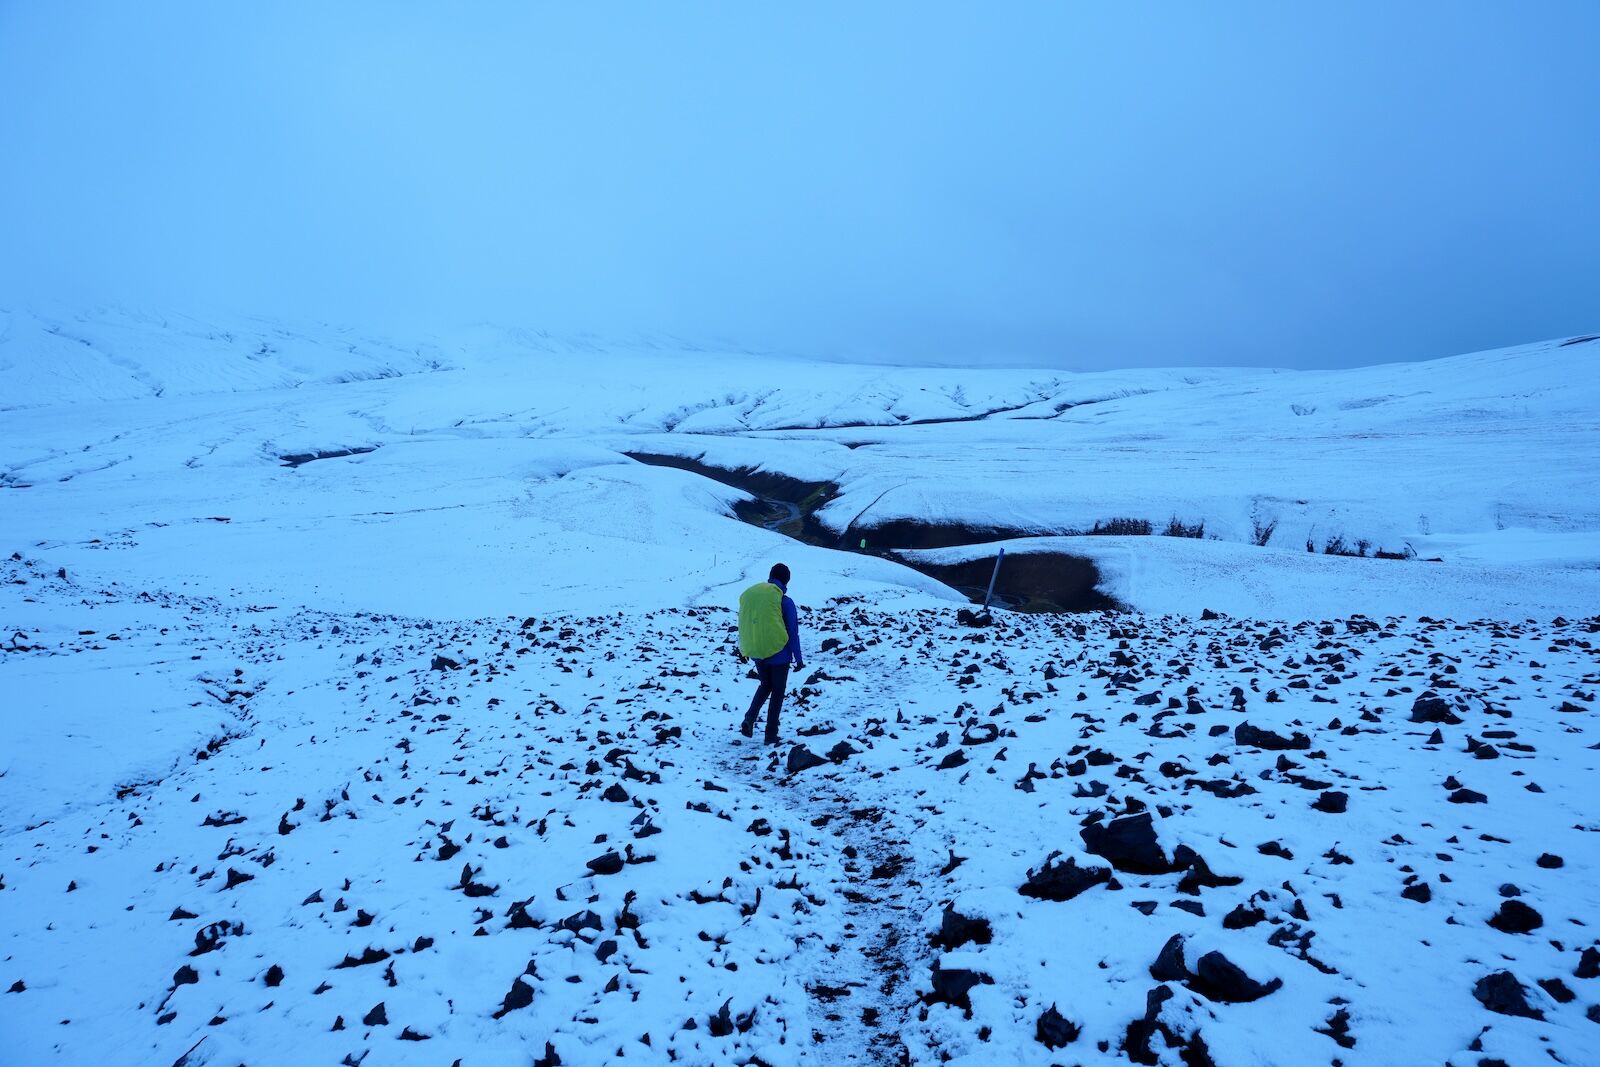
(769,633)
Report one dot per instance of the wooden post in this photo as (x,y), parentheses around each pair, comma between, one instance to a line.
(990,591)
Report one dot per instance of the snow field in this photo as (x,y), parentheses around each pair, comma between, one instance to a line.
(384,758)
(497,479)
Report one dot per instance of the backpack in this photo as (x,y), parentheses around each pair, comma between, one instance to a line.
(762,632)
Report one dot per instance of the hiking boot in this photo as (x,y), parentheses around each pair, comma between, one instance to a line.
(748,728)
(771,739)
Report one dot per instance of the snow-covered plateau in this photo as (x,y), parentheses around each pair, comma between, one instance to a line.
(368,701)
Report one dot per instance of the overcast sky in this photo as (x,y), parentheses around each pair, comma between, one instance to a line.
(1093,185)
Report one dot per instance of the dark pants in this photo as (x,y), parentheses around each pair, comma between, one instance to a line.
(774,680)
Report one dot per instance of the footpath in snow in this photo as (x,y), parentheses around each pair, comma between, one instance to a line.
(248,834)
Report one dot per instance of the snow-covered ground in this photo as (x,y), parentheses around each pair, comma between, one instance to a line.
(497,478)
(328,664)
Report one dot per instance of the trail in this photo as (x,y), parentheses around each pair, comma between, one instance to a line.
(860,989)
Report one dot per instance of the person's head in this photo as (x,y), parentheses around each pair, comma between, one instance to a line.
(779,574)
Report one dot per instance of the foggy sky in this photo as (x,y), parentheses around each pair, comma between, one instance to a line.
(1089,185)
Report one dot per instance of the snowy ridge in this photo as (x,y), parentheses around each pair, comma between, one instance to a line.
(500,838)
(118,354)
(1487,462)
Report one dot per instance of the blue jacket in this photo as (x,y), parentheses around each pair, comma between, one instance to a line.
(790,653)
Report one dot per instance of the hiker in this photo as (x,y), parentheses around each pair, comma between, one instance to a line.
(769,633)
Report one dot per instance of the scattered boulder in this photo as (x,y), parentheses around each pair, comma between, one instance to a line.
(1338,1028)
(1198,874)
(842,751)
(1502,994)
(1136,1041)
(1218,978)
(981,734)
(802,758)
(1333,802)
(1169,965)
(956,930)
(1431,707)
(1055,1030)
(580,920)
(1558,990)
(520,996)
(954,987)
(1253,737)
(1515,917)
(1062,881)
(610,863)
(1129,843)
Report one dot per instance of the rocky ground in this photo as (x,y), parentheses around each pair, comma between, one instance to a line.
(1056,839)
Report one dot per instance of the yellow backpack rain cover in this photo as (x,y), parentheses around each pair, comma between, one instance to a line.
(762,632)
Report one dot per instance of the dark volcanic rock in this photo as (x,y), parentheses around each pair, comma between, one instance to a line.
(955,986)
(956,930)
(580,920)
(1252,737)
(1333,802)
(1062,881)
(982,734)
(1515,917)
(1558,990)
(1136,1042)
(1169,965)
(378,1016)
(1055,1030)
(369,955)
(520,996)
(1431,707)
(1199,874)
(1338,1028)
(610,863)
(1242,917)
(802,758)
(1129,843)
(842,751)
(1218,978)
(1503,994)
(1588,964)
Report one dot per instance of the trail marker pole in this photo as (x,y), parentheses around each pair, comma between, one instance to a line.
(990,591)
